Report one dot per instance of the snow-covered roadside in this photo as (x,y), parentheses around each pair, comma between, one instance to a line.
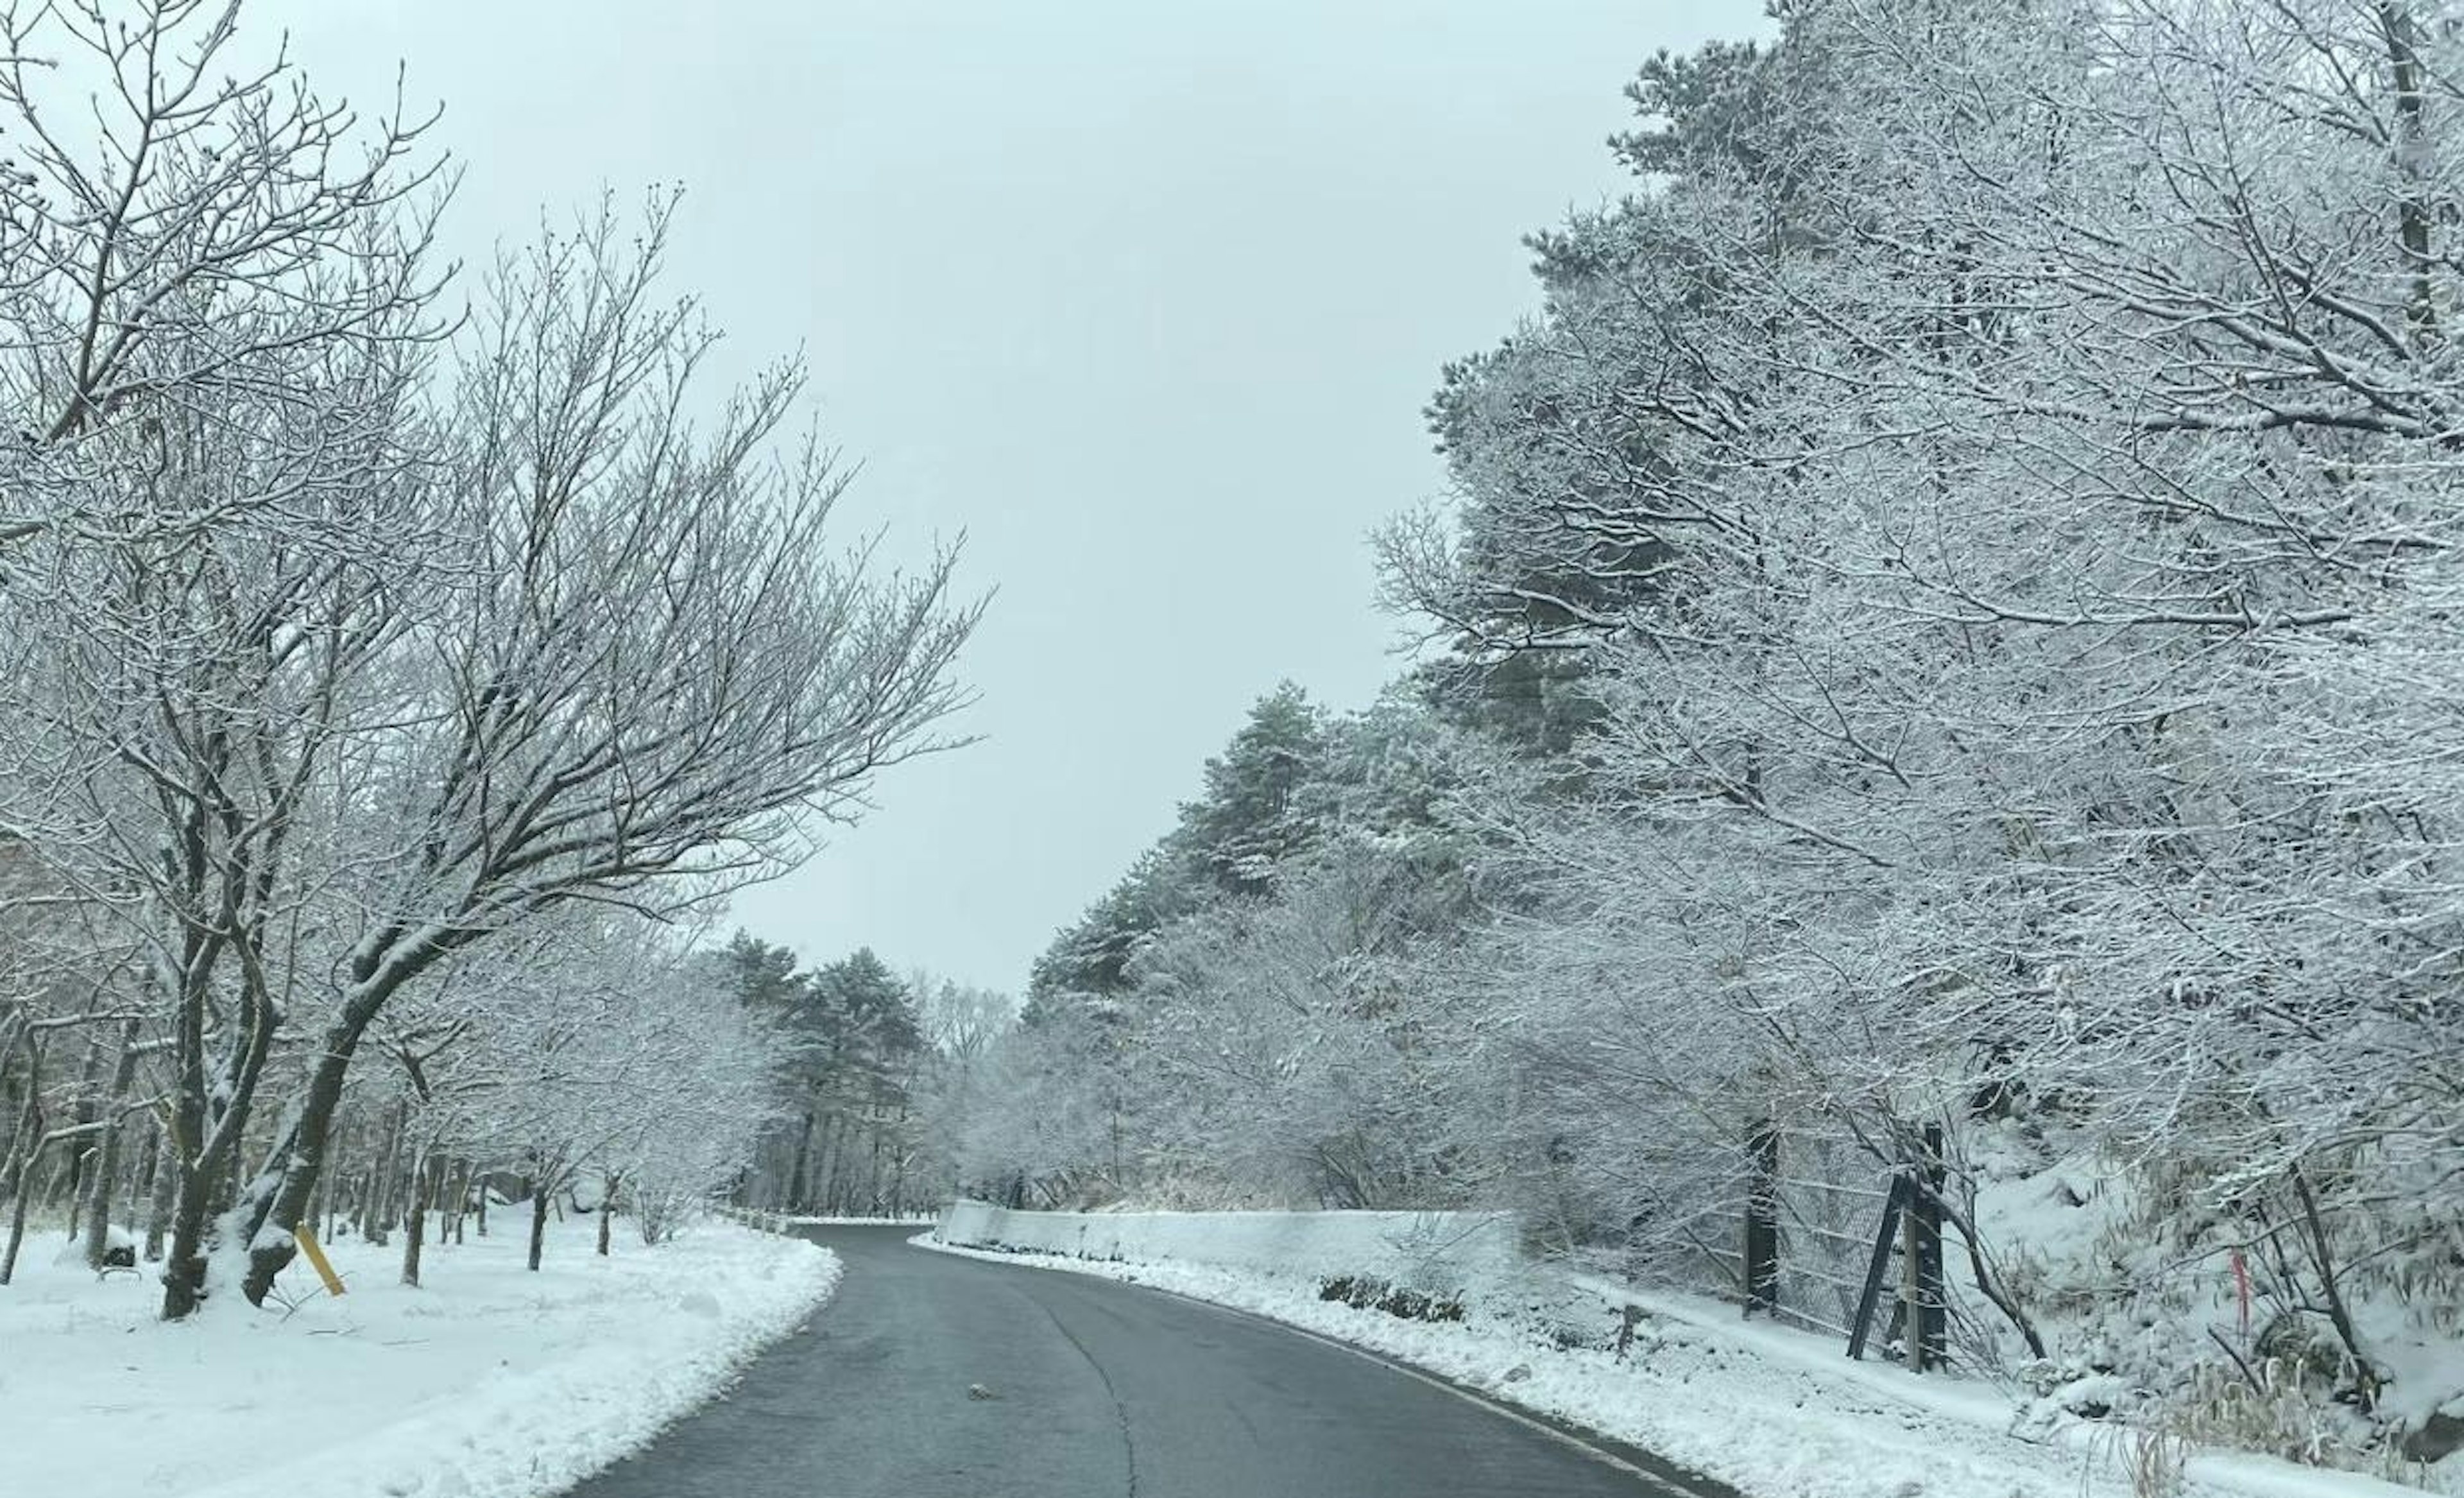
(490,1383)
(1710,1396)
(1981,1406)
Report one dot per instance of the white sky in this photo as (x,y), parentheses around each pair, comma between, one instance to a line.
(1144,297)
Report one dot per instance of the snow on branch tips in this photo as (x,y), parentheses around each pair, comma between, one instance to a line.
(351,636)
(1945,619)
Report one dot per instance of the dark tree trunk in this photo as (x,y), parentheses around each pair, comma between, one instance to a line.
(81,1159)
(17,1232)
(166,1189)
(105,1179)
(833,1142)
(796,1198)
(872,1172)
(183,1271)
(899,1172)
(27,1145)
(141,1185)
(204,1187)
(333,1191)
(385,1191)
(279,1195)
(414,1223)
(209,1128)
(538,1223)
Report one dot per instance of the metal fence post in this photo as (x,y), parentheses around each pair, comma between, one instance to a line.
(1877,1266)
(1929,1323)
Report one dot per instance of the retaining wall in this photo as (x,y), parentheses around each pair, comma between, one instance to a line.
(1443,1253)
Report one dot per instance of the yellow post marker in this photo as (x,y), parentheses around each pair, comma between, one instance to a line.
(316,1260)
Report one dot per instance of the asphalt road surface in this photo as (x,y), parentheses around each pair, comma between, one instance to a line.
(1096,1389)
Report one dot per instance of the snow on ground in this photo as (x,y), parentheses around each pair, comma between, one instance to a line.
(1767,1410)
(490,1382)
(2136,1290)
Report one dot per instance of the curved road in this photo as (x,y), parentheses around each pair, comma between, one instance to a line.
(1098,1389)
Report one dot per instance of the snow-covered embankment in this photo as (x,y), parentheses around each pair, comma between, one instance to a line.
(490,1383)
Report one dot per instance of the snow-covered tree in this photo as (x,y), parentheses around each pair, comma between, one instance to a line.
(341,649)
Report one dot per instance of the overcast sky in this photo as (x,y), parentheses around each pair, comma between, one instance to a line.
(1144,297)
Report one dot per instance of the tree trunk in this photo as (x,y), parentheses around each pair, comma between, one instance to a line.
(796,1198)
(280,1192)
(334,1188)
(167,1187)
(319,1209)
(414,1224)
(825,1195)
(27,1145)
(606,1212)
(2415,214)
(184,1270)
(873,1168)
(76,1165)
(445,1200)
(64,1171)
(898,1167)
(209,1128)
(81,1159)
(383,1188)
(16,1234)
(538,1223)
(141,1186)
(106,1177)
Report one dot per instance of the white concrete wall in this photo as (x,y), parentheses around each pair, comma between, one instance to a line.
(1438,1253)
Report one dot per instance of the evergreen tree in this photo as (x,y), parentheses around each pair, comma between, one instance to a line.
(1247,821)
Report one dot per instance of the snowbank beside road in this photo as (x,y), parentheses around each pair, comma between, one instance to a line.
(1440,1253)
(492,1382)
(1750,1405)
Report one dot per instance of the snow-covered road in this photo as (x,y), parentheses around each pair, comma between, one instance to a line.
(933,1375)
